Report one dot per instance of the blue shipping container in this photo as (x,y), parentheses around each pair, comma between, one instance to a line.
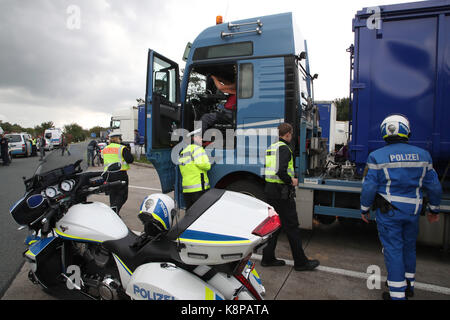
(141,123)
(401,58)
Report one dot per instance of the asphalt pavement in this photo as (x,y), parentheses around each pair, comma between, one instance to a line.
(349,253)
(12,189)
(11,240)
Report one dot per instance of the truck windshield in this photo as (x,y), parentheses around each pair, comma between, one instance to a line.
(224,50)
(48,135)
(115,124)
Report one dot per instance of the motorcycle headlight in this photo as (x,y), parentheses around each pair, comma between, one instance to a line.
(35,201)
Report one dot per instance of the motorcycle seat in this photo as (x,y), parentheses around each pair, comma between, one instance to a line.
(161,250)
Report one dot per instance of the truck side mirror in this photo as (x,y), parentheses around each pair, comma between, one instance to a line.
(187,50)
(302,55)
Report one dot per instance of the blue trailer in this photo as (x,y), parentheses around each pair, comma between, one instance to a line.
(399,64)
(141,123)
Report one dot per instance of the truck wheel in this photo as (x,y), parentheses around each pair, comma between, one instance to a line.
(324,219)
(248,187)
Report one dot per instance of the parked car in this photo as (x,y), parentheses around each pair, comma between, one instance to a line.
(20,144)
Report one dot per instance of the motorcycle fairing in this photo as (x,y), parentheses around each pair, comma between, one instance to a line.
(70,237)
(37,246)
(165,281)
(31,239)
(124,272)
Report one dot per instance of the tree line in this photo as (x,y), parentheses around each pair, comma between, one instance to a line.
(73,132)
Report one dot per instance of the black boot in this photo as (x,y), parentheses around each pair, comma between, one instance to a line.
(308,266)
(273,263)
(408,292)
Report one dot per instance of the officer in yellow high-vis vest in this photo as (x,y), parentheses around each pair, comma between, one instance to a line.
(113,153)
(280,192)
(194,165)
(33,147)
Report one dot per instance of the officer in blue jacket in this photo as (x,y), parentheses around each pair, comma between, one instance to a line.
(395,179)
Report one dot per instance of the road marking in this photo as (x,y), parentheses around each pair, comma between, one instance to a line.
(145,188)
(362,275)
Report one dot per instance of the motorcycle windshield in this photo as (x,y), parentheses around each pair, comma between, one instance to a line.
(59,158)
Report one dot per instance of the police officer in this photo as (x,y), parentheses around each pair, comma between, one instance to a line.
(194,165)
(4,142)
(42,144)
(396,175)
(91,148)
(280,192)
(33,147)
(113,153)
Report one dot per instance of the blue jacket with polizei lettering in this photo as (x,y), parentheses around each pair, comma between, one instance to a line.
(399,172)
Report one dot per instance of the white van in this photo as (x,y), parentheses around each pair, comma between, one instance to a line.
(53,138)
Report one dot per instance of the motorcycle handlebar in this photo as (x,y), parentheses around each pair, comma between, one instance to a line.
(109,185)
(48,216)
(105,187)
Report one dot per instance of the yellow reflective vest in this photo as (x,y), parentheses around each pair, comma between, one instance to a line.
(112,154)
(272,163)
(194,165)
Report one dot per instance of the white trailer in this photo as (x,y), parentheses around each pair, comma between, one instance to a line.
(125,121)
(341,133)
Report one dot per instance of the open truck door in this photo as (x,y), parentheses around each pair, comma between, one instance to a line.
(163,110)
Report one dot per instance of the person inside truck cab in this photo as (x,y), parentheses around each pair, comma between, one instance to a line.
(224,114)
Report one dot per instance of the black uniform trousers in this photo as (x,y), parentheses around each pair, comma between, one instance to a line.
(287,212)
(191,197)
(118,195)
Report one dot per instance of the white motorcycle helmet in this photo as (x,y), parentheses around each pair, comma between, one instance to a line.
(156,210)
(395,128)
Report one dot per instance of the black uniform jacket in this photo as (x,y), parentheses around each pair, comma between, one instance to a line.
(273,190)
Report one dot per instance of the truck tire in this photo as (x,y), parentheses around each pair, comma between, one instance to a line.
(248,187)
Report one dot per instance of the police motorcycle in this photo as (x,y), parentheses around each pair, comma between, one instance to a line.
(78,249)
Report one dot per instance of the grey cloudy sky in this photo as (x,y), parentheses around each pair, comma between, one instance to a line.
(50,70)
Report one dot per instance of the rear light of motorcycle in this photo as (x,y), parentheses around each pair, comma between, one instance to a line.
(242,265)
(269,225)
(239,275)
(246,283)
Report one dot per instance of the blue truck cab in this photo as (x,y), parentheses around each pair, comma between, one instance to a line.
(267,59)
